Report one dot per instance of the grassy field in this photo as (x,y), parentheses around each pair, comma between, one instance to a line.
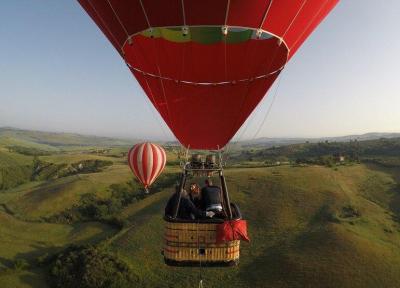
(29,241)
(55,141)
(310,226)
(301,234)
(15,169)
(52,197)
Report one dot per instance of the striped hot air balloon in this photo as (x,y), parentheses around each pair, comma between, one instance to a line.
(147,161)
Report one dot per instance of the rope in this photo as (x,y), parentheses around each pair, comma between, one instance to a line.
(227,11)
(198,249)
(265,15)
(152,110)
(230,145)
(245,98)
(104,24)
(147,84)
(294,18)
(269,108)
(181,70)
(126,32)
(143,58)
(119,20)
(169,115)
(183,12)
(158,66)
(309,24)
(145,14)
(230,82)
(272,73)
(273,58)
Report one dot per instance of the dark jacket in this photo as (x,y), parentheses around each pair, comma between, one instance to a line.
(187,210)
(211,195)
(197,202)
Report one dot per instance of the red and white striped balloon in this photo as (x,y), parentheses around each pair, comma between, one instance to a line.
(147,161)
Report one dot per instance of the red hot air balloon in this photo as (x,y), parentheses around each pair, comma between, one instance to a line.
(147,161)
(205,65)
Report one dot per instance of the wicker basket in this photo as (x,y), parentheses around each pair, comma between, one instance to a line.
(192,243)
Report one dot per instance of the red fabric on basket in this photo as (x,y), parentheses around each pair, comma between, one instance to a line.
(232,230)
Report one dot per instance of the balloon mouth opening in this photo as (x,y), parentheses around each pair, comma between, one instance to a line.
(212,39)
(244,61)
(206,35)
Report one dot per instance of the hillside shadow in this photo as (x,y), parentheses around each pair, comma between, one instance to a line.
(38,251)
(394,203)
(50,189)
(33,265)
(34,279)
(152,208)
(106,231)
(7,263)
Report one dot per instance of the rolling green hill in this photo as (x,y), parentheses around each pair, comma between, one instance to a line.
(311,226)
(52,141)
(15,169)
(304,229)
(382,150)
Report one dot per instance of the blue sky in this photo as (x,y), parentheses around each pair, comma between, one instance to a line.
(59,73)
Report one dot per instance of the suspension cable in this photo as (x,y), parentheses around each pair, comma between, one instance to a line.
(294,18)
(228,4)
(229,82)
(269,108)
(259,32)
(150,94)
(183,12)
(280,77)
(145,14)
(162,83)
(198,251)
(275,53)
(309,23)
(157,64)
(104,24)
(152,109)
(118,19)
(246,95)
(265,15)
(229,146)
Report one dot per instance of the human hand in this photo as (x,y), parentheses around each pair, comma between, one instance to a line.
(210,214)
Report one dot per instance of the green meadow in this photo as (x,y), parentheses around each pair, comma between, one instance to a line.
(310,225)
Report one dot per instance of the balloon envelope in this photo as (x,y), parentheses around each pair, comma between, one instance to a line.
(203,78)
(147,161)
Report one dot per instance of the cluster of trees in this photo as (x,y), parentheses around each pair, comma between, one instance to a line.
(29,151)
(43,170)
(90,267)
(12,176)
(323,153)
(325,160)
(93,208)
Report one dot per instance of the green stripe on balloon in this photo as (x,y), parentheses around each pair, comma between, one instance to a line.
(204,35)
